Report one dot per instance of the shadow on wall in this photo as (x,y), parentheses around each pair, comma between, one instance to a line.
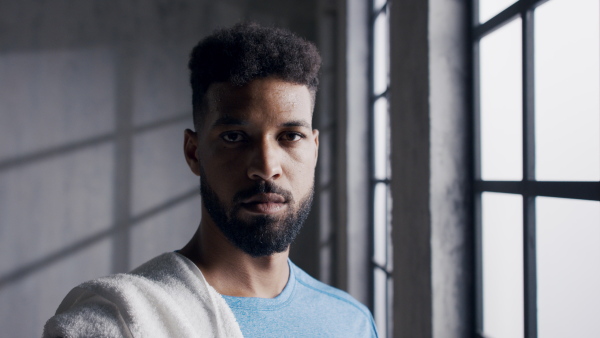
(94,98)
(77,201)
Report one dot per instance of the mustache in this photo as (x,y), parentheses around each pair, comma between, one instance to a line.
(262,187)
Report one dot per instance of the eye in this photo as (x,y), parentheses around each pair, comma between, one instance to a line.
(233,136)
(292,136)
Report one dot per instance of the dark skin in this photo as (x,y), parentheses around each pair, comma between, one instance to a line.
(261,131)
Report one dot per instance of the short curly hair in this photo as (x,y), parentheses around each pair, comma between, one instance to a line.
(248,51)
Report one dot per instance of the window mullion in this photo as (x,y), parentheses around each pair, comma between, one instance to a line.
(529,235)
(477,205)
(528,98)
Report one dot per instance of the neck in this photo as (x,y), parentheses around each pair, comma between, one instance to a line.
(233,272)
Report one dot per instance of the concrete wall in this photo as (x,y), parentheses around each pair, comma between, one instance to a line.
(431,215)
(94,98)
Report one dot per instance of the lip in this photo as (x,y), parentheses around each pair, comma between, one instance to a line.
(264,198)
(268,203)
(268,208)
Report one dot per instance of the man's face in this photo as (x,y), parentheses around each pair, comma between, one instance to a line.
(256,156)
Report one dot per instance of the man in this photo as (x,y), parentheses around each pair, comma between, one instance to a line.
(255,152)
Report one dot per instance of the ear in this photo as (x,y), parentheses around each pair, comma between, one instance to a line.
(316,137)
(190,150)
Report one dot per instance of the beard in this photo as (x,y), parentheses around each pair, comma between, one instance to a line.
(260,235)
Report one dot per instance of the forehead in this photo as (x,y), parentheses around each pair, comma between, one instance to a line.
(261,99)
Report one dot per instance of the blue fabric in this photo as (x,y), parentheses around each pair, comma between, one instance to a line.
(305,308)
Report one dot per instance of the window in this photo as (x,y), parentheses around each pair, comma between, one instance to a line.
(380,168)
(537,167)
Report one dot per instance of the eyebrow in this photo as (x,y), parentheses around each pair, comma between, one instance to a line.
(228,120)
(297,123)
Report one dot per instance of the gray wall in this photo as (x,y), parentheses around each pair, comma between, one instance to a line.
(93,102)
(431,216)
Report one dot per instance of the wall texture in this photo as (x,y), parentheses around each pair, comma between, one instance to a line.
(94,99)
(431,216)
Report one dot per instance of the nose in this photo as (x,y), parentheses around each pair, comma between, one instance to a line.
(265,163)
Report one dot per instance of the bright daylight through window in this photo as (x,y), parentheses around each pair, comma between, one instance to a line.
(537,167)
(380,168)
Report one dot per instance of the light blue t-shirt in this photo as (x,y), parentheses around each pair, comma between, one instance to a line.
(305,308)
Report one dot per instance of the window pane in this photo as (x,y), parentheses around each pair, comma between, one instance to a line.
(567,91)
(502,259)
(501,104)
(489,8)
(382,256)
(380,231)
(381,135)
(380,301)
(381,53)
(568,266)
(377,4)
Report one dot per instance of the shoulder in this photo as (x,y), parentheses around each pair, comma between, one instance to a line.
(331,295)
(116,305)
(338,313)
(90,317)
(89,310)
(156,277)
(162,272)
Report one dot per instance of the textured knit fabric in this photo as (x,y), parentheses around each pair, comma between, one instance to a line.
(305,308)
(165,297)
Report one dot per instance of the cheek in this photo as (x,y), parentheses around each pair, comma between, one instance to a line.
(302,171)
(225,160)
(222,172)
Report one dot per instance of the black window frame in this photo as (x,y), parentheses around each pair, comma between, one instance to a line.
(529,188)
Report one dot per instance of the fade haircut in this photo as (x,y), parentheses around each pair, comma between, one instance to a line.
(248,51)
